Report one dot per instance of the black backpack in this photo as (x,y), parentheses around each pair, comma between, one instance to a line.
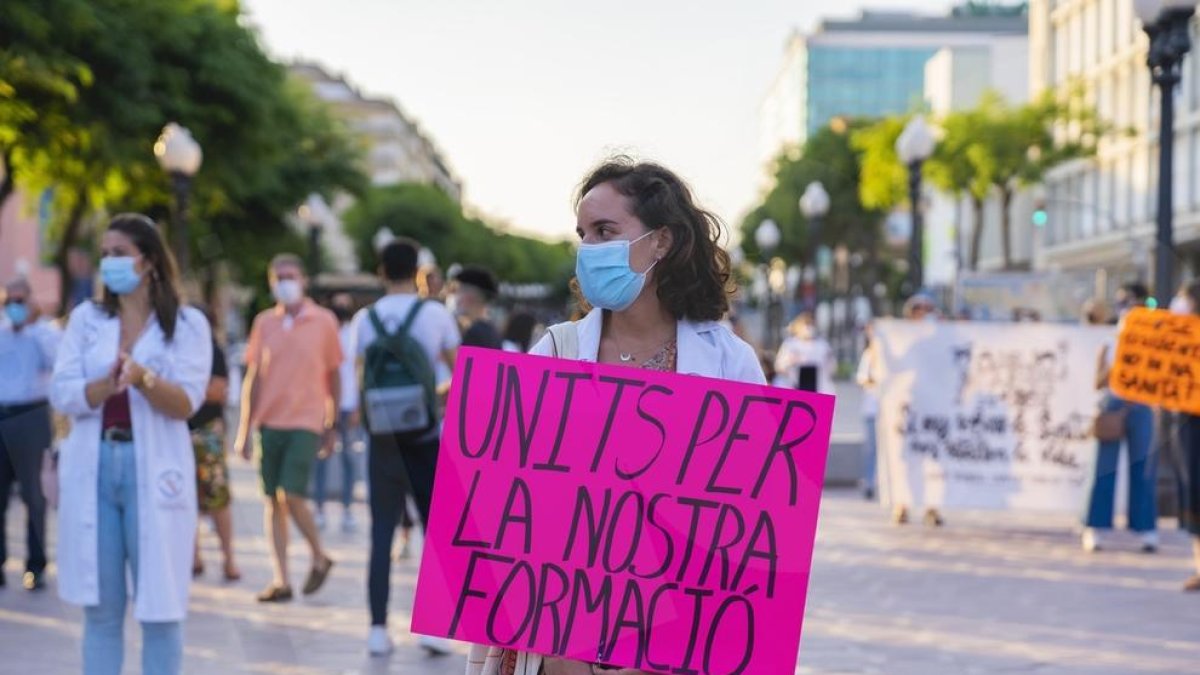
(399,389)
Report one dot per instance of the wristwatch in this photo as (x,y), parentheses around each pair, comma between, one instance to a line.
(149,379)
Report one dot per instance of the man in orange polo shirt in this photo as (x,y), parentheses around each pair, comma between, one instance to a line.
(290,399)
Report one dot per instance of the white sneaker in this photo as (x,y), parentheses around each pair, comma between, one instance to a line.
(349,524)
(378,642)
(319,517)
(1090,540)
(434,645)
(1150,541)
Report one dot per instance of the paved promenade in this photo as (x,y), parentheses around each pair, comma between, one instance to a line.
(987,594)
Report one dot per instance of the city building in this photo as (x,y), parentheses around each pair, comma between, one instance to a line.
(395,150)
(955,79)
(866,67)
(1101,211)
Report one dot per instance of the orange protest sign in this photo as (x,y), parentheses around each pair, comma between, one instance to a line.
(1158,360)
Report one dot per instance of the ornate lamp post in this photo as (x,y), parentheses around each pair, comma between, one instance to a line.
(767,236)
(814,204)
(180,157)
(914,146)
(312,214)
(1166,22)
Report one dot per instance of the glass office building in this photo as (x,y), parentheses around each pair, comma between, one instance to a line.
(870,66)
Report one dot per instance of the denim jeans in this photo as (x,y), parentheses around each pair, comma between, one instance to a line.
(1143,471)
(348,435)
(869,451)
(103,627)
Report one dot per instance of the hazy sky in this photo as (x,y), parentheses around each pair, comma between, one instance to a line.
(523,96)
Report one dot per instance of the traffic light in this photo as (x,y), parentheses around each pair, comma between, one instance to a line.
(1040,215)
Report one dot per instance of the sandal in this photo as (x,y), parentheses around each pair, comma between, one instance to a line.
(1193,584)
(232,573)
(197,569)
(276,594)
(317,576)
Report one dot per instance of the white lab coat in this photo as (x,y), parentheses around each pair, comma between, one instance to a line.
(166,468)
(704,348)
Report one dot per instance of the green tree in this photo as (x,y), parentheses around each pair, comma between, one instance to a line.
(828,157)
(267,144)
(991,148)
(884,183)
(951,170)
(428,215)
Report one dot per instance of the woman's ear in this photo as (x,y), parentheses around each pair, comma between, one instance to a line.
(663,242)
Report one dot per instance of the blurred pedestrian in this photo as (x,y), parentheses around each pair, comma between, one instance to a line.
(656,284)
(919,307)
(519,331)
(1188,302)
(805,360)
(431,284)
(398,340)
(473,290)
(868,378)
(27,350)
(212,470)
(131,369)
(1138,434)
(349,429)
(290,401)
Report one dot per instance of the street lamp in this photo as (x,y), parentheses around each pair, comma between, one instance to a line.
(814,204)
(1167,23)
(767,237)
(180,157)
(312,213)
(914,146)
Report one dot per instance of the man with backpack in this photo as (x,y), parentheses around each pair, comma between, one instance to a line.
(400,339)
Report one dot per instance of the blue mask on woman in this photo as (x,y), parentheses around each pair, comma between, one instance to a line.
(17,312)
(605,277)
(119,274)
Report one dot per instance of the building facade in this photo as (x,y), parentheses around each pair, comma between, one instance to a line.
(1102,211)
(866,67)
(397,149)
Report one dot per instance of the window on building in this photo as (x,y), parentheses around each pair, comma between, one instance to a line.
(1091,37)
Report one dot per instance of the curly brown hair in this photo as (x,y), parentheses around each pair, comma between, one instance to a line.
(695,279)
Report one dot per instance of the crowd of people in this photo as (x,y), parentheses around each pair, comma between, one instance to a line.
(143,382)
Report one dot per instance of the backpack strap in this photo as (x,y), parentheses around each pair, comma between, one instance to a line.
(376,323)
(565,337)
(412,316)
(381,330)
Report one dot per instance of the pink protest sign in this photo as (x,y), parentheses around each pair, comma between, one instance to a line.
(623,516)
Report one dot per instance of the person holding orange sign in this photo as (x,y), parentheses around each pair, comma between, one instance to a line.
(1138,435)
(1188,302)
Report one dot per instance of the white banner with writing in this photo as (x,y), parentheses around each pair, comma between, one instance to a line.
(987,415)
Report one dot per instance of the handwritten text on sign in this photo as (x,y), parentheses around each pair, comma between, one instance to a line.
(987,415)
(1158,360)
(623,516)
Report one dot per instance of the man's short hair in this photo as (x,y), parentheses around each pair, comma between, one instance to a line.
(480,279)
(398,259)
(287,260)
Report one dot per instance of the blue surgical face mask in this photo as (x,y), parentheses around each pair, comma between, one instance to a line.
(17,312)
(119,274)
(605,277)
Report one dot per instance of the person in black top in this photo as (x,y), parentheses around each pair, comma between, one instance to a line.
(212,474)
(474,289)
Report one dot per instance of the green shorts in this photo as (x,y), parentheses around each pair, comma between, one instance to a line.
(287,459)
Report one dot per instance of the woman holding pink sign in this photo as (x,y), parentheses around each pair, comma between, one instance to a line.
(655,283)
